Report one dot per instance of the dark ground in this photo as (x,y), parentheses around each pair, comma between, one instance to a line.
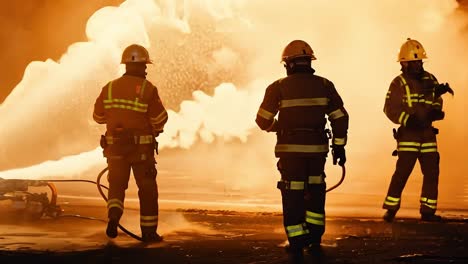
(201,236)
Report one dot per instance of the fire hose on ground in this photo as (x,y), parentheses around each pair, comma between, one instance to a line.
(50,208)
(100,187)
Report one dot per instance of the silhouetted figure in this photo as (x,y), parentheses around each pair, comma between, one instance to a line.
(134,116)
(302,101)
(414,102)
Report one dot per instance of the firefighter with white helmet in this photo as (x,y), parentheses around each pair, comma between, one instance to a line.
(414,102)
(302,101)
(134,115)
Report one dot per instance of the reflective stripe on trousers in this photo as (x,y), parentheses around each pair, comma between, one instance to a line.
(417,146)
(111,203)
(431,203)
(392,201)
(315,218)
(149,220)
(296,230)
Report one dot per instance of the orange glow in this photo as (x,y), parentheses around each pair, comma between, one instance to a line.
(213,61)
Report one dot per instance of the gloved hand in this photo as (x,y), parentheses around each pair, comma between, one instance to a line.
(415,122)
(156,133)
(274,127)
(436,114)
(339,155)
(443,88)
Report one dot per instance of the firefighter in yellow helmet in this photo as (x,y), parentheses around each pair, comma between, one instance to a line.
(414,102)
(134,115)
(302,101)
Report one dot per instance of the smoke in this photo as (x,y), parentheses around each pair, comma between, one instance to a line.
(67,88)
(201,117)
(198,119)
(37,30)
(213,62)
(51,104)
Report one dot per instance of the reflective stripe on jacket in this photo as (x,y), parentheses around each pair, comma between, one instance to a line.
(130,102)
(408,96)
(302,102)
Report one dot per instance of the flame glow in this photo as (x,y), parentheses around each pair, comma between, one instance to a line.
(214,60)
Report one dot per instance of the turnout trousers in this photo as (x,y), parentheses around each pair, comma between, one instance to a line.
(303,191)
(145,173)
(413,146)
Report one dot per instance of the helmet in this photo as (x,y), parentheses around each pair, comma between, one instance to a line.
(135,53)
(297,49)
(411,50)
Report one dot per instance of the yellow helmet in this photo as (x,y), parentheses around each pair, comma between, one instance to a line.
(135,53)
(411,50)
(297,49)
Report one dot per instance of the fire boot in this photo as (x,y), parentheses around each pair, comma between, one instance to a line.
(389,216)
(295,255)
(151,237)
(431,218)
(315,252)
(111,230)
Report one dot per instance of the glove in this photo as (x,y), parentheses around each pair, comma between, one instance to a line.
(103,142)
(339,155)
(156,133)
(443,88)
(274,127)
(436,114)
(414,122)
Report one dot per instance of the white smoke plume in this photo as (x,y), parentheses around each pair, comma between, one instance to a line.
(356,43)
(198,119)
(202,118)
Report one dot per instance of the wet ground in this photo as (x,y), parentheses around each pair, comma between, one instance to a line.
(214,236)
(248,229)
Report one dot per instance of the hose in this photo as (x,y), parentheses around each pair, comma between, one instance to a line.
(343,174)
(53,189)
(99,186)
(83,217)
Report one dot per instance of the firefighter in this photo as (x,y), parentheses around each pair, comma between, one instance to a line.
(414,102)
(134,115)
(303,101)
